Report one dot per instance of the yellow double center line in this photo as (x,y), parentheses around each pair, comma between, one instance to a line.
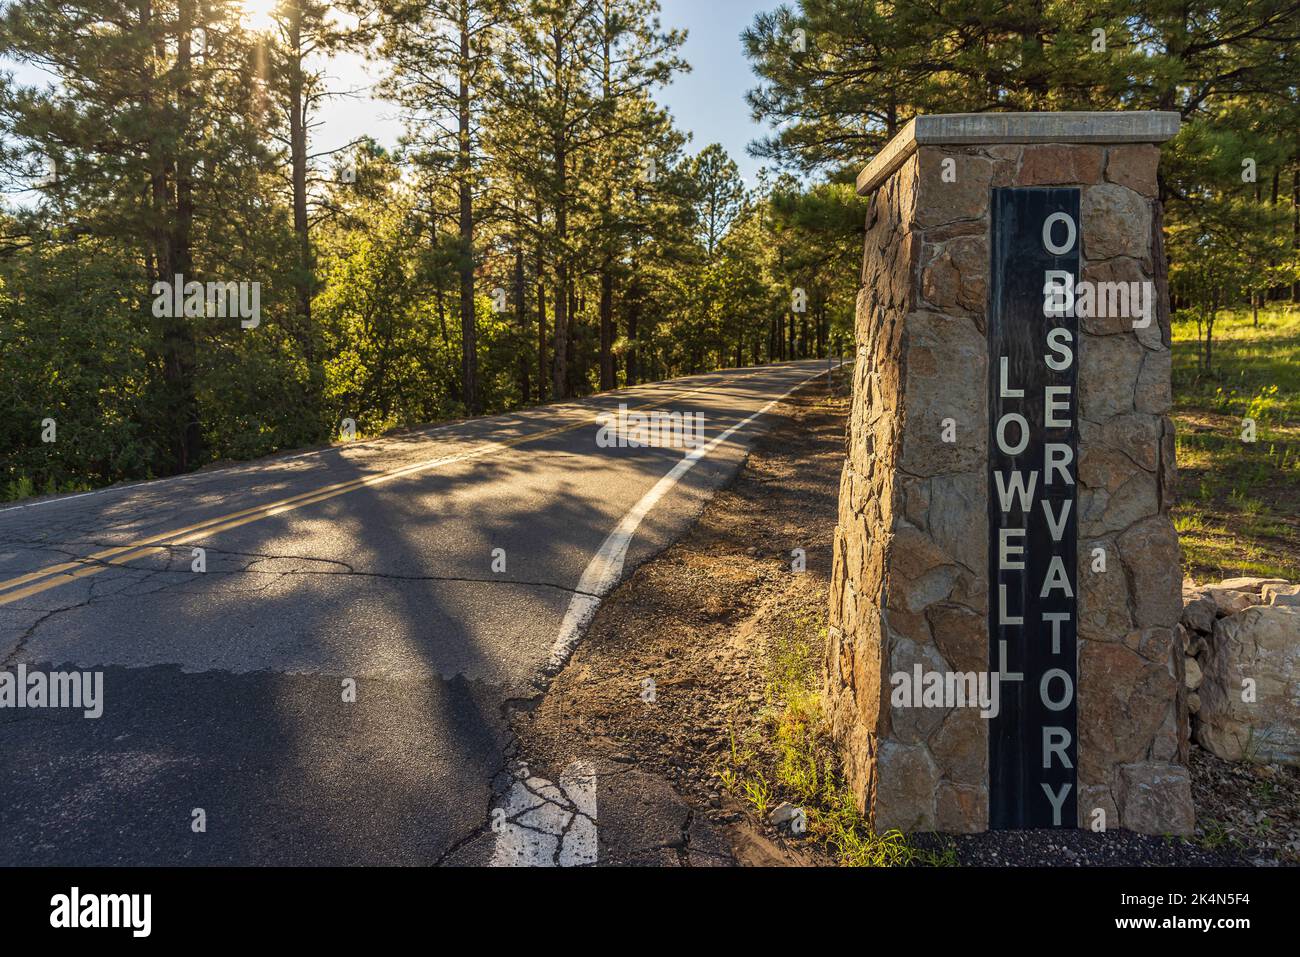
(43,579)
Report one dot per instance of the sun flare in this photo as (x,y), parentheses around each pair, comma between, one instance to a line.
(257,14)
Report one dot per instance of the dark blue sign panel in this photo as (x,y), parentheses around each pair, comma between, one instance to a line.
(1033,462)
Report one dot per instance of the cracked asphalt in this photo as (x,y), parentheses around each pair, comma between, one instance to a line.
(223,689)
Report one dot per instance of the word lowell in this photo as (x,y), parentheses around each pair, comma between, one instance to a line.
(58,689)
(103,910)
(635,430)
(946,689)
(193,299)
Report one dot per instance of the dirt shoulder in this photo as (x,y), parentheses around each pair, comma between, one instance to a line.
(701,620)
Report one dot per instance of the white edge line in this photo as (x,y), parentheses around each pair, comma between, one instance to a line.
(606,566)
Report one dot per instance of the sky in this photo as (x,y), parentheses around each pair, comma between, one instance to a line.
(708,102)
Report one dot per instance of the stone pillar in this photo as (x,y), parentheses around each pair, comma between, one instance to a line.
(913,561)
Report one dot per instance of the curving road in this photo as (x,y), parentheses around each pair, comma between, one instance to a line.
(377,563)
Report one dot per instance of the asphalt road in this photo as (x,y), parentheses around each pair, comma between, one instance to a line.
(224,690)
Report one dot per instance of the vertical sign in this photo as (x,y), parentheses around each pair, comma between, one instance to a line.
(1033,401)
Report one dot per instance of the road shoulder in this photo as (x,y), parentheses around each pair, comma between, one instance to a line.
(671,686)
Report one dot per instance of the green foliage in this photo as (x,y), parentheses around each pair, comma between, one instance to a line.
(83,360)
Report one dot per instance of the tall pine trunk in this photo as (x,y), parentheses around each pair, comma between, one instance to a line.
(607,376)
(560,370)
(468,326)
(175,258)
(521,321)
(543,376)
(560,377)
(301,230)
(631,364)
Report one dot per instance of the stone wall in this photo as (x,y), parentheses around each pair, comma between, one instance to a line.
(910,579)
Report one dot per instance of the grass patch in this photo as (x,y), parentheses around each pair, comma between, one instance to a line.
(792,758)
(1236,507)
(1215,837)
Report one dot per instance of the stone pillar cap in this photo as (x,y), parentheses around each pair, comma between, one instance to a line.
(1135,126)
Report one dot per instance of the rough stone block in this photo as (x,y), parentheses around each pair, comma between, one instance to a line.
(906,785)
(961,809)
(1134,166)
(1150,553)
(956,190)
(1053,164)
(1156,798)
(1251,687)
(1116,222)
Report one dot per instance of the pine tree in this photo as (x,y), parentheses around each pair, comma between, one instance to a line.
(289,57)
(442,54)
